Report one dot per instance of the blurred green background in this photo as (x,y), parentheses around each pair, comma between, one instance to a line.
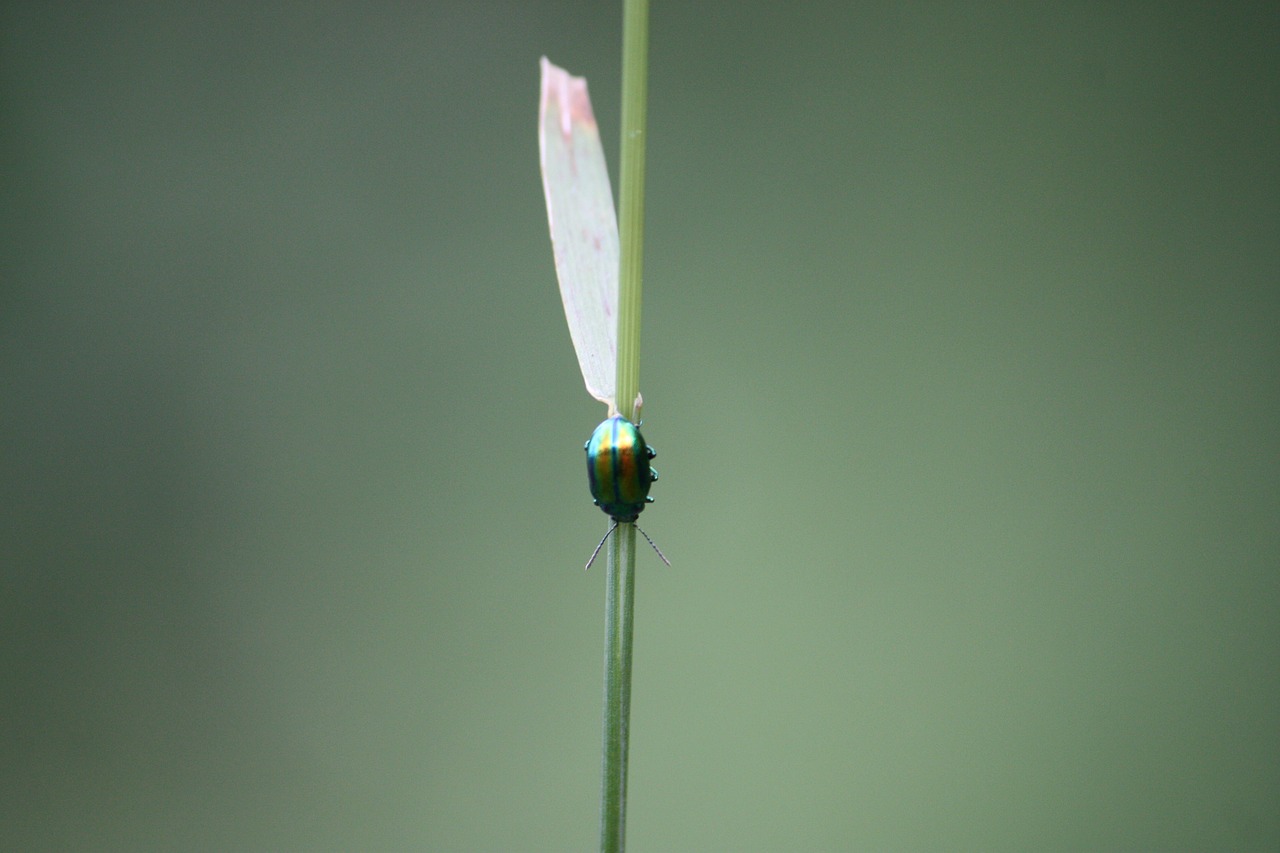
(960,356)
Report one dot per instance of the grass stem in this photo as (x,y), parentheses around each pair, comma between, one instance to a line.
(620,583)
(635,87)
(620,588)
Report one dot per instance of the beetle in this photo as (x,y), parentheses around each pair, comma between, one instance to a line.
(618,471)
(619,475)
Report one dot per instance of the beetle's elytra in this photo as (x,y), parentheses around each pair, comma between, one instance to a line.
(618,470)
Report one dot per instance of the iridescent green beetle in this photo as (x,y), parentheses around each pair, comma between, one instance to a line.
(619,475)
(618,469)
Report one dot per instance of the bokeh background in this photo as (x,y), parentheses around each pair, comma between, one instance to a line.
(960,356)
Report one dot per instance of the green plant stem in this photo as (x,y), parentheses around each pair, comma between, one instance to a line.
(621,580)
(620,589)
(635,87)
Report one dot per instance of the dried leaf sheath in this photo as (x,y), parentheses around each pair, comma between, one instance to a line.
(584,226)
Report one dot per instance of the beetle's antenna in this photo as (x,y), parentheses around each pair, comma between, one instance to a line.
(650,541)
(601,545)
(656,549)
